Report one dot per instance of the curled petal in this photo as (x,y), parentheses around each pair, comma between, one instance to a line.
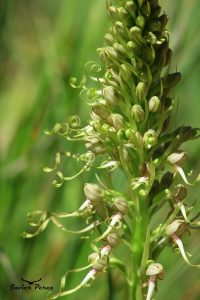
(137,182)
(66,215)
(74,122)
(88,163)
(179,243)
(88,158)
(111,165)
(93,68)
(93,93)
(74,82)
(151,287)
(41,228)
(37,217)
(46,217)
(184,213)
(182,174)
(87,204)
(84,283)
(59,128)
(116,222)
(85,209)
(56,165)
(86,229)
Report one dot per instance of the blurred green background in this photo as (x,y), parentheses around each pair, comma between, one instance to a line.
(43,43)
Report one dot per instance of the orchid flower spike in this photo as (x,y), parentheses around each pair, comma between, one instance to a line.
(127,137)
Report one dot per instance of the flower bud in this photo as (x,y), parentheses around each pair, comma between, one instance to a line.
(88,145)
(137,113)
(155,26)
(151,38)
(131,7)
(102,54)
(177,158)
(101,111)
(146,9)
(178,227)
(144,170)
(135,138)
(112,78)
(179,193)
(155,10)
(141,91)
(166,123)
(93,192)
(133,47)
(172,80)
(168,57)
(109,38)
(126,155)
(118,13)
(164,20)
(154,104)
(115,153)
(115,75)
(136,35)
(168,102)
(140,21)
(101,264)
(121,205)
(120,50)
(94,117)
(154,3)
(98,263)
(150,139)
(113,239)
(119,28)
(186,133)
(98,149)
(112,11)
(93,257)
(110,53)
(94,140)
(137,66)
(125,72)
(93,143)
(110,95)
(140,2)
(123,14)
(116,121)
(149,55)
(155,269)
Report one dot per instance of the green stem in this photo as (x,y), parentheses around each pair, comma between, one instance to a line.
(111,294)
(140,247)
